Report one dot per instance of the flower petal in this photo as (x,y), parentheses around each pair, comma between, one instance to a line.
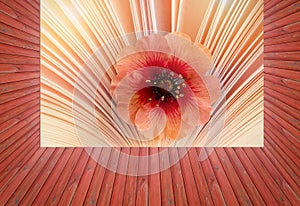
(205,50)
(173,125)
(196,110)
(193,55)
(184,35)
(150,121)
(178,127)
(127,51)
(124,86)
(204,108)
(130,63)
(214,87)
(154,42)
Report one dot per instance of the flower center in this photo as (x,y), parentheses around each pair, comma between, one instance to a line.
(167,85)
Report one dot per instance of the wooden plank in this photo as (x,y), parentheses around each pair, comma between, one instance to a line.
(131,179)
(63,177)
(284,124)
(288,65)
(17,179)
(253,193)
(20,8)
(142,193)
(285,55)
(29,7)
(86,178)
(292,144)
(10,96)
(38,183)
(293,121)
(17,59)
(154,178)
(109,178)
(291,195)
(34,169)
(198,174)
(283,21)
(8,121)
(120,180)
(227,190)
(268,180)
(213,185)
(285,38)
(275,141)
(284,47)
(11,49)
(6,108)
(9,133)
(167,194)
(236,184)
(257,180)
(34,4)
(16,33)
(284,86)
(283,30)
(292,167)
(98,178)
(16,164)
(12,41)
(18,24)
(52,179)
(12,68)
(273,103)
(74,179)
(285,99)
(279,162)
(283,73)
(192,192)
(10,87)
(7,148)
(283,9)
(13,77)
(177,179)
(7,10)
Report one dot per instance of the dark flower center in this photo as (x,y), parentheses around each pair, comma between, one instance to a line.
(166,85)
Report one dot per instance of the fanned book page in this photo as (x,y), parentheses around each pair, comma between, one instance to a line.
(151,73)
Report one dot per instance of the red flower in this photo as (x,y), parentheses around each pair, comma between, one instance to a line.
(161,86)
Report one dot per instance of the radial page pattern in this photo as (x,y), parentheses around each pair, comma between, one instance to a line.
(152,73)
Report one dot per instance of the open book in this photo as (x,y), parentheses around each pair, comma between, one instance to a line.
(81,48)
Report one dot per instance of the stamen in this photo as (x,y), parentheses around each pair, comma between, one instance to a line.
(179,81)
(167,86)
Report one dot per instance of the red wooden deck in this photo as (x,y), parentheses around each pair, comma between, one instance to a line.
(62,176)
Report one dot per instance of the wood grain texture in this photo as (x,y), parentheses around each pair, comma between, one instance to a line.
(30,174)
